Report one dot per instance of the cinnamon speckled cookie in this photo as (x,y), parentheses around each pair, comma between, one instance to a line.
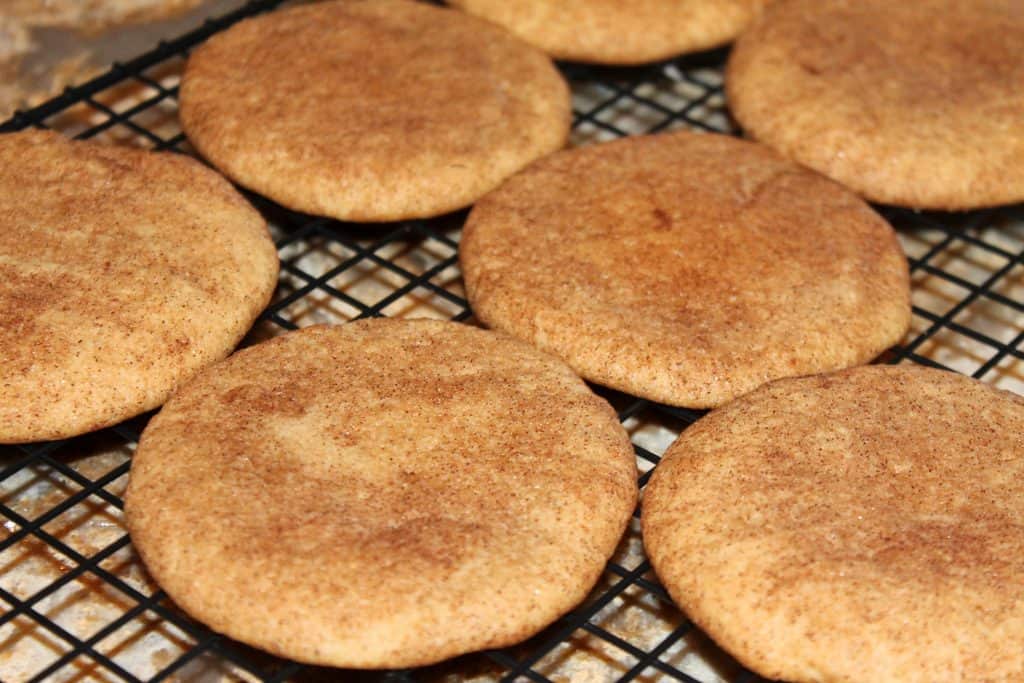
(381,494)
(372,110)
(123,273)
(918,103)
(685,268)
(617,32)
(860,526)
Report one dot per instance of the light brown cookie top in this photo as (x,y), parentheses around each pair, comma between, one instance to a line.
(918,103)
(381,494)
(124,272)
(372,110)
(617,32)
(861,526)
(685,268)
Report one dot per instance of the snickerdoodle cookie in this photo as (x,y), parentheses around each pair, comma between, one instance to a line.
(372,110)
(381,494)
(123,273)
(919,104)
(860,526)
(617,32)
(686,268)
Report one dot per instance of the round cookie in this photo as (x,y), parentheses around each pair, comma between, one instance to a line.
(124,272)
(372,110)
(686,268)
(917,104)
(617,32)
(381,494)
(861,526)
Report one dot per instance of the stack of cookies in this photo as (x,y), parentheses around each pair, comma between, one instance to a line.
(395,493)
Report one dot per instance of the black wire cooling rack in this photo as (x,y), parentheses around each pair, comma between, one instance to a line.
(75,603)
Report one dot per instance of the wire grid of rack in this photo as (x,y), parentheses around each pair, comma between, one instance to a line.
(75,604)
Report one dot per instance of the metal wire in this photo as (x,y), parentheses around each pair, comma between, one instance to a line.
(416,261)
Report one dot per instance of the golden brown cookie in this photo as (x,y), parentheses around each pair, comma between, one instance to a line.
(617,32)
(861,526)
(372,110)
(918,103)
(124,272)
(381,494)
(685,268)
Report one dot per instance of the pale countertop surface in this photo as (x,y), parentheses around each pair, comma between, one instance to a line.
(46,45)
